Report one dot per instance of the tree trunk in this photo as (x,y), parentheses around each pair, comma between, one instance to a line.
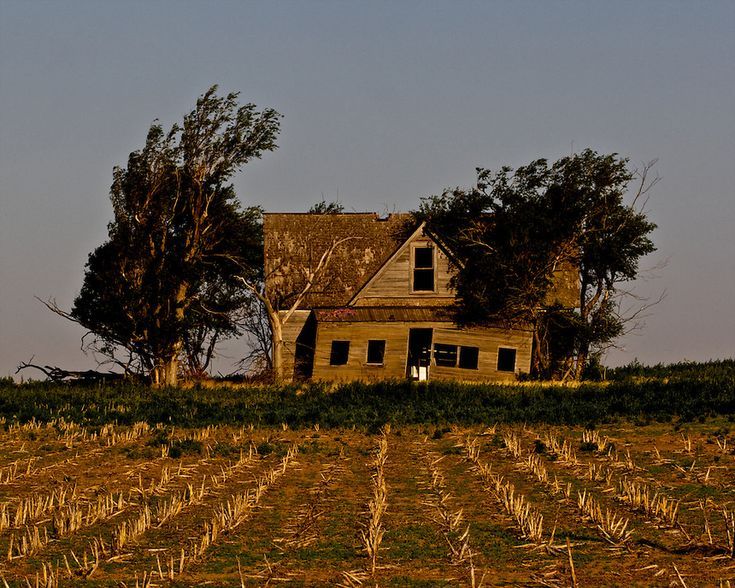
(169,364)
(166,370)
(583,347)
(536,354)
(581,361)
(277,338)
(171,372)
(541,355)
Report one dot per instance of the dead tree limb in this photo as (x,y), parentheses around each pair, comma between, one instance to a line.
(57,374)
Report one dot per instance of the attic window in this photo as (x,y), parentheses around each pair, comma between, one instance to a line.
(506,359)
(423,269)
(340,353)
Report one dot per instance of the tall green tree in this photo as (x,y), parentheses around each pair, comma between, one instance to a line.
(518,233)
(163,285)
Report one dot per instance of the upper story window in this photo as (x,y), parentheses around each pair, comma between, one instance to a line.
(423,269)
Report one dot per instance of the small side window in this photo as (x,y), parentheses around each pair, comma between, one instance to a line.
(468,357)
(376,351)
(445,355)
(340,353)
(506,359)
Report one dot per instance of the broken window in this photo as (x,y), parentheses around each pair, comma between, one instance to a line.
(423,269)
(376,351)
(340,353)
(445,355)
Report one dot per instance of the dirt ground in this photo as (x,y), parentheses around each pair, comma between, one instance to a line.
(499,505)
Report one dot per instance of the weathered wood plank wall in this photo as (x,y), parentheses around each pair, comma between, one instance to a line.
(488,341)
(392,285)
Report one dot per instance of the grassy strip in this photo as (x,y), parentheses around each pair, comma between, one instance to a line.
(686,395)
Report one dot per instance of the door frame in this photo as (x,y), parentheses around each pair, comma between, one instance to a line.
(409,365)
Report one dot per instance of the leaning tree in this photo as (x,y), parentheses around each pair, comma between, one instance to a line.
(165,286)
(517,233)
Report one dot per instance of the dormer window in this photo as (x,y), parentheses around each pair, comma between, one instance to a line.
(423,269)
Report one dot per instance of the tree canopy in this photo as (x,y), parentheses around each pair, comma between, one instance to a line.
(324,207)
(517,232)
(163,285)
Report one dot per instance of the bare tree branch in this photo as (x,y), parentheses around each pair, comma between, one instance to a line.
(58,374)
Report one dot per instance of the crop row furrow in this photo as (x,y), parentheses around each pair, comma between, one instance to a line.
(643,498)
(148,516)
(227,516)
(526,516)
(449,521)
(373,531)
(303,530)
(25,469)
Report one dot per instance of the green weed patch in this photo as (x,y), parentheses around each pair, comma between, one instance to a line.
(684,394)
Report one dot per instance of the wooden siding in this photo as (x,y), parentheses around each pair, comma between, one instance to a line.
(392,285)
(488,340)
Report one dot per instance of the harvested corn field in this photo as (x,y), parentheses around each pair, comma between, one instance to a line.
(404,506)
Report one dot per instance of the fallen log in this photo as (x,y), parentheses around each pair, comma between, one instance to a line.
(58,374)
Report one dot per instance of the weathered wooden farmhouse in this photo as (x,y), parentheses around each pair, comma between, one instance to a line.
(380,307)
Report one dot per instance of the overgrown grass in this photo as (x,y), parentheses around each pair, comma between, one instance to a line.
(684,369)
(684,392)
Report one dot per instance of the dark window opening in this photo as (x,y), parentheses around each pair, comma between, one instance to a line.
(375,351)
(340,353)
(506,359)
(423,280)
(468,357)
(423,269)
(423,258)
(304,352)
(445,355)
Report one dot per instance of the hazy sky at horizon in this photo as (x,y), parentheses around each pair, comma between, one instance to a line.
(383,103)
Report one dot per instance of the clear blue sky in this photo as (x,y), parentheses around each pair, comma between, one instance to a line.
(384,102)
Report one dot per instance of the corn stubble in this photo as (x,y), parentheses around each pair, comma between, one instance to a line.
(373,531)
(527,518)
(31,522)
(372,536)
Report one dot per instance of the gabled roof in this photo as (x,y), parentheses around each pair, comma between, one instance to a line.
(420,231)
(294,242)
(381,268)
